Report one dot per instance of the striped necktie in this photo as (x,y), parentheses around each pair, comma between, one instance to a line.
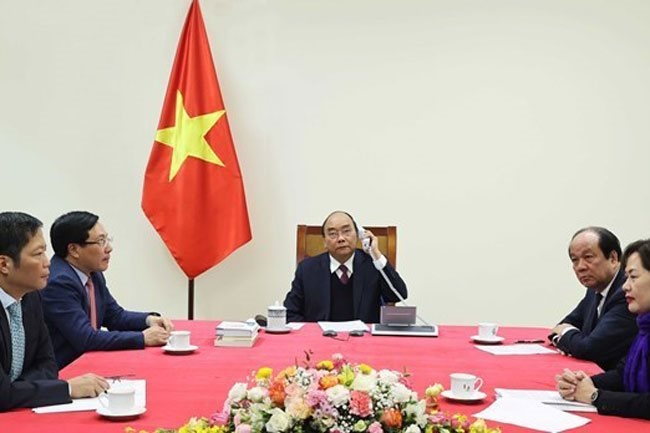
(17,340)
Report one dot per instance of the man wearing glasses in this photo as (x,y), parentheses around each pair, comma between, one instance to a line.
(344,283)
(77,303)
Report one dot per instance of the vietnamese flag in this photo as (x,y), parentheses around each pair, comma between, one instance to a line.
(193,190)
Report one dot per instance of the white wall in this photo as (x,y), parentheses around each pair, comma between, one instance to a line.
(487,131)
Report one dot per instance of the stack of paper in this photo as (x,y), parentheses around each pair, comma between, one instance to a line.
(531,414)
(353,325)
(236,334)
(548,397)
(517,349)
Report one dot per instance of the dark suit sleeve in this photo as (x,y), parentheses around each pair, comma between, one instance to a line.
(64,309)
(613,400)
(294,302)
(612,335)
(399,284)
(38,384)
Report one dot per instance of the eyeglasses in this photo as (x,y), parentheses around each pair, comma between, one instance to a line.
(102,242)
(334,234)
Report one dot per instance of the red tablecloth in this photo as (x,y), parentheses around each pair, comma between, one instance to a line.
(179,387)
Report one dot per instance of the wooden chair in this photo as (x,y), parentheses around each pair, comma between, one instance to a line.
(309,242)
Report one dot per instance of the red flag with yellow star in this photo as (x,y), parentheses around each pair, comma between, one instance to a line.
(193,190)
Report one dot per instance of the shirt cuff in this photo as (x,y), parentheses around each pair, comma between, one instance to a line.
(380,263)
(567,329)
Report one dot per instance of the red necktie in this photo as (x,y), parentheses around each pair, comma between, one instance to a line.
(92,307)
(344,274)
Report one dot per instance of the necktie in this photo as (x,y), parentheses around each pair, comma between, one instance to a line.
(599,298)
(17,340)
(92,307)
(344,274)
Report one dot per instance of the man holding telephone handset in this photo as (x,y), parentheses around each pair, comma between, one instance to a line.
(343,283)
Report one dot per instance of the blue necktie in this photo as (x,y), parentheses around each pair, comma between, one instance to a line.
(17,340)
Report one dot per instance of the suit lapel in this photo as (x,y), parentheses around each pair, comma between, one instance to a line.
(324,289)
(4,326)
(358,281)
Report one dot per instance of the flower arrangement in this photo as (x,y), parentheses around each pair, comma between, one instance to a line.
(333,396)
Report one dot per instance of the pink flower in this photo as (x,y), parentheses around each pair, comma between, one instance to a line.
(243,428)
(360,404)
(338,360)
(375,427)
(219,419)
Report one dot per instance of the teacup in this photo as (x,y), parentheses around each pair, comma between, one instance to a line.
(277,317)
(118,399)
(465,384)
(487,330)
(179,339)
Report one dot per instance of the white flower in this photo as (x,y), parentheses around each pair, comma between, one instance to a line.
(388,376)
(364,382)
(257,393)
(279,421)
(401,394)
(418,410)
(237,392)
(338,395)
(413,428)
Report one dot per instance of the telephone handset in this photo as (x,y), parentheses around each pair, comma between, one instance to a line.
(365,240)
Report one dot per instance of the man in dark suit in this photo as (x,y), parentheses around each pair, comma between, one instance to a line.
(77,302)
(600,328)
(344,283)
(28,372)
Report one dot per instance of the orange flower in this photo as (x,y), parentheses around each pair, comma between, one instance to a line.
(277,393)
(391,418)
(328,381)
(287,372)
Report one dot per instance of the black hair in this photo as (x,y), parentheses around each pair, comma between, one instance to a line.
(71,228)
(641,247)
(607,241)
(16,230)
(322,227)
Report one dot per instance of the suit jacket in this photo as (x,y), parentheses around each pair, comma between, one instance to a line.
(38,384)
(604,340)
(65,304)
(612,398)
(309,298)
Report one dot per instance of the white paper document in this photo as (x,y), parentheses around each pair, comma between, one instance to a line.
(516,349)
(531,414)
(353,325)
(88,404)
(295,326)
(549,397)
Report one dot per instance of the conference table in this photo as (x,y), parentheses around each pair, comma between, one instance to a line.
(196,384)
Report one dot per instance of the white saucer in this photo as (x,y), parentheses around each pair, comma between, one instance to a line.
(477,396)
(487,340)
(134,413)
(179,351)
(284,330)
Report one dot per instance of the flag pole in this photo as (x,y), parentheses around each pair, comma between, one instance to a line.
(190,299)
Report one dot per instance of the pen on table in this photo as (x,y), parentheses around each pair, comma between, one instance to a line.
(529,341)
(120,376)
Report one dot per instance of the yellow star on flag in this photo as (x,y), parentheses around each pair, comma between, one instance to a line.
(187,137)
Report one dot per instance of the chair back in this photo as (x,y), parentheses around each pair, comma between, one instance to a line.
(309,241)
